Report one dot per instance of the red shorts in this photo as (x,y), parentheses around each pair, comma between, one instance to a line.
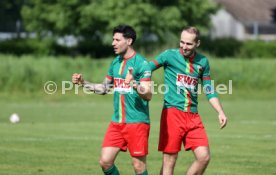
(133,136)
(178,127)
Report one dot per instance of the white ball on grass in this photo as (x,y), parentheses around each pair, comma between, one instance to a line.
(14,118)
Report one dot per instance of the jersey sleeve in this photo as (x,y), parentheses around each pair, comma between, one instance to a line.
(144,73)
(110,72)
(208,86)
(160,61)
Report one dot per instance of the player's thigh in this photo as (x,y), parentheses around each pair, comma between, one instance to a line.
(113,137)
(171,131)
(197,135)
(109,154)
(137,139)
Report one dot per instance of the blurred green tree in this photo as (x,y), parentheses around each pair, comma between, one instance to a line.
(55,17)
(95,18)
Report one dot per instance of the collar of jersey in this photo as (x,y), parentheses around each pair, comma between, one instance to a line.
(127,58)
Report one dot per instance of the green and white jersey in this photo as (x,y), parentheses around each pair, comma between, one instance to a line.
(181,77)
(128,106)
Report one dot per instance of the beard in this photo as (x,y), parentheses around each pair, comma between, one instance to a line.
(188,53)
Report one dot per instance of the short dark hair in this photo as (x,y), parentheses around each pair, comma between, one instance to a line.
(193,30)
(127,31)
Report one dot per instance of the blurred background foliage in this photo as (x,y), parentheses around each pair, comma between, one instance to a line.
(98,17)
(51,32)
(74,28)
(90,22)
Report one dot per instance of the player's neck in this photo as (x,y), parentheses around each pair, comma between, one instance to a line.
(130,52)
(191,55)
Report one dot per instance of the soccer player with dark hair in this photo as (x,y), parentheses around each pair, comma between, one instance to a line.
(130,125)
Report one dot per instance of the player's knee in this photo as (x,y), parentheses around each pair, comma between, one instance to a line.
(169,163)
(169,160)
(139,167)
(204,159)
(105,164)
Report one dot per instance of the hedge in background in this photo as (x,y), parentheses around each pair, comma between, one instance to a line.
(48,46)
(258,49)
(223,47)
(230,47)
(27,46)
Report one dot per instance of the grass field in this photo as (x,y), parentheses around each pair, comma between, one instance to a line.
(62,135)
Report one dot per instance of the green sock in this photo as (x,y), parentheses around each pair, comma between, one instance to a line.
(112,171)
(144,173)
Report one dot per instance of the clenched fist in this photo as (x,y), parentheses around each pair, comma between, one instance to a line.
(77,79)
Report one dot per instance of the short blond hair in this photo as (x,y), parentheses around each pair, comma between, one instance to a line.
(193,30)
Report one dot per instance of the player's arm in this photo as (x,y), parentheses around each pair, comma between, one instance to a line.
(214,101)
(211,94)
(144,90)
(158,62)
(154,65)
(221,115)
(100,89)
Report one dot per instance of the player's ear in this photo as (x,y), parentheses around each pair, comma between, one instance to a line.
(198,43)
(129,41)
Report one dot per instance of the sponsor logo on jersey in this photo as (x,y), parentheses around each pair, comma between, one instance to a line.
(186,81)
(120,86)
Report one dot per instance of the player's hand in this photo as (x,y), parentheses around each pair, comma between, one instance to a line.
(129,80)
(129,77)
(77,79)
(222,120)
